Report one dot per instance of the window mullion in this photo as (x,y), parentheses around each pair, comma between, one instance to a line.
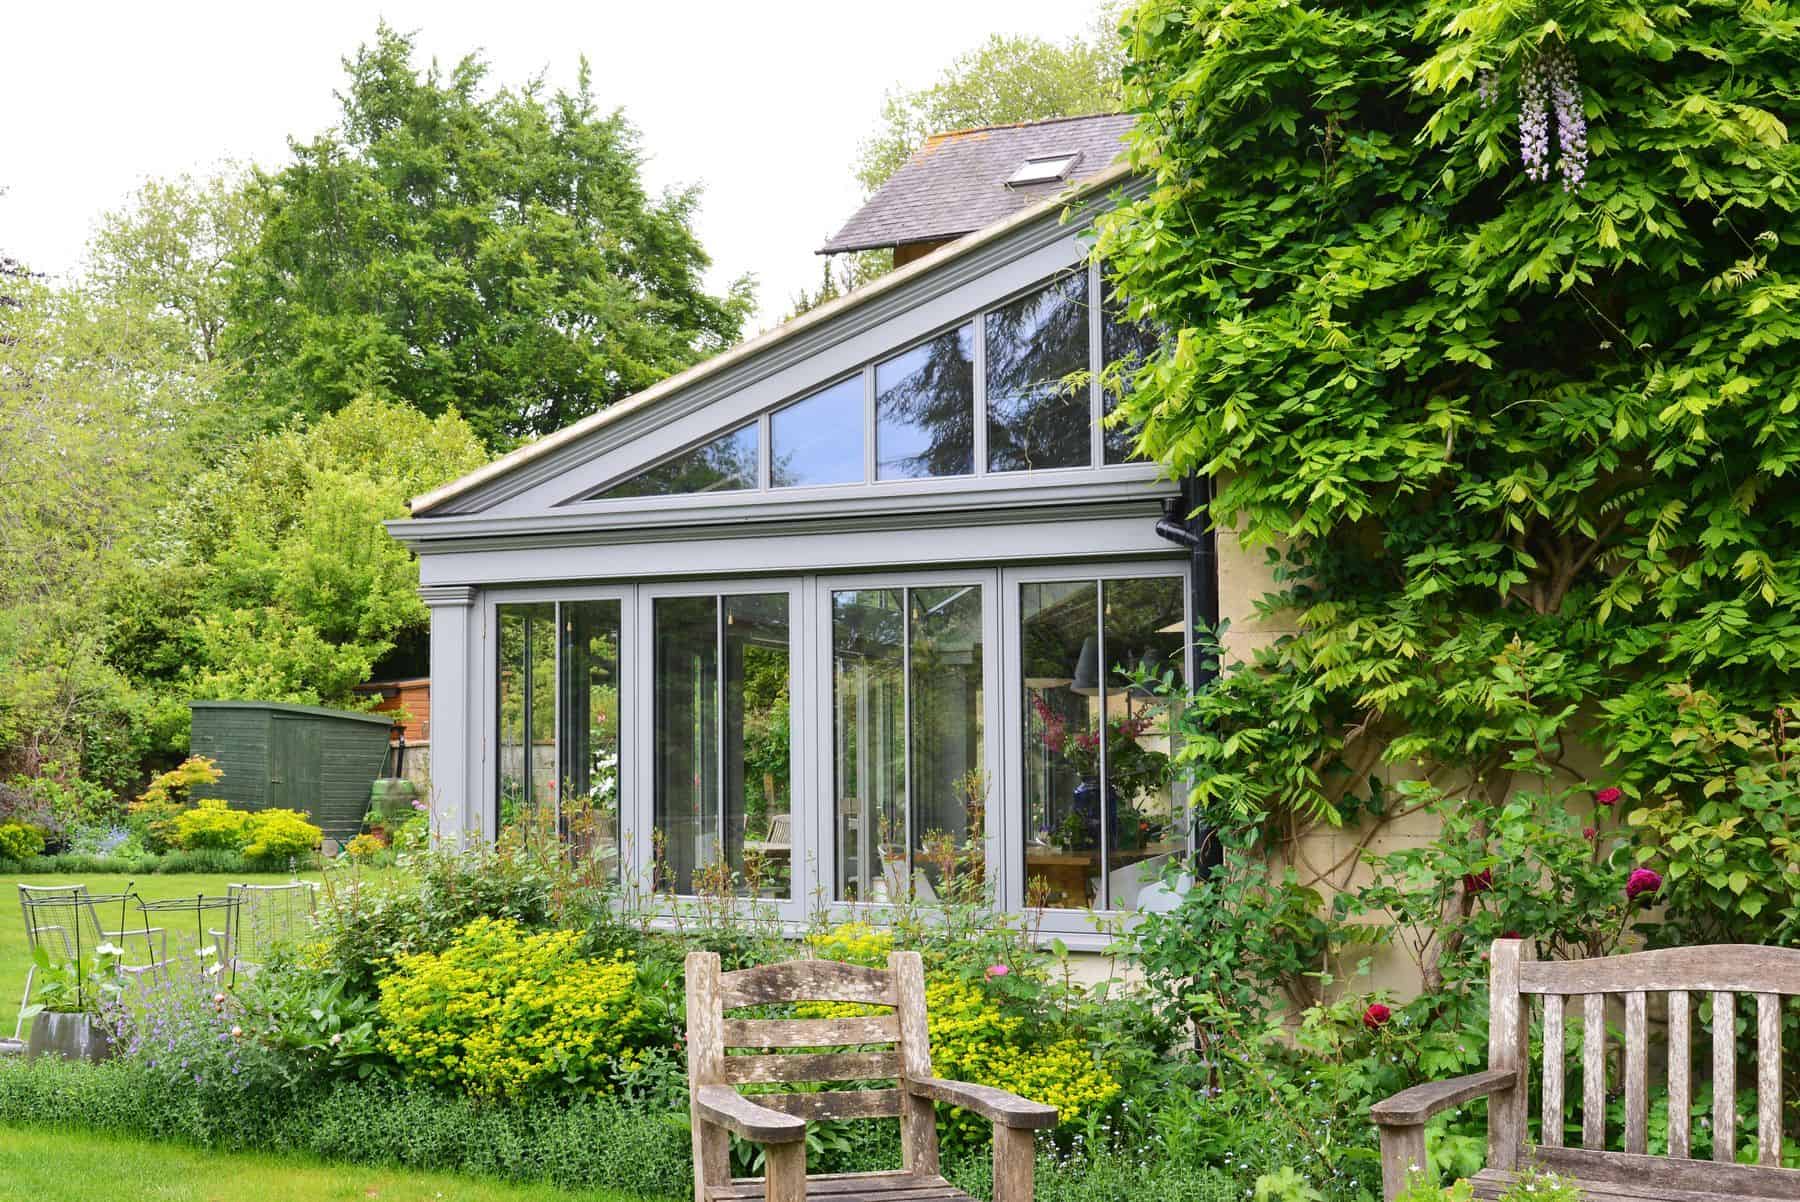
(1106,802)
(906,732)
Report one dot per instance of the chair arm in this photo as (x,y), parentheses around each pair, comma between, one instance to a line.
(996,1105)
(726,1107)
(1411,1107)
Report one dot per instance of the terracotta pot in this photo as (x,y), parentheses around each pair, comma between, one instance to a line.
(71,1036)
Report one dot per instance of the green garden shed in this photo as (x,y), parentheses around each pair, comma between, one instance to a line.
(298,757)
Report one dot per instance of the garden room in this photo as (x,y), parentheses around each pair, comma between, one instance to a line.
(865,612)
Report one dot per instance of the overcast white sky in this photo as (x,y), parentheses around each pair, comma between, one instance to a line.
(762,104)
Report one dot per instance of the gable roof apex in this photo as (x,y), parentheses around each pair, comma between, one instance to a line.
(421,506)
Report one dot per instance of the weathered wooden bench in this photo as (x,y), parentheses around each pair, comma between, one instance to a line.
(777,1121)
(1615,1175)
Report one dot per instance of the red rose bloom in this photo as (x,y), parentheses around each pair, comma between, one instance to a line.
(1376,1016)
(1610,796)
(1641,883)
(1588,832)
(1479,882)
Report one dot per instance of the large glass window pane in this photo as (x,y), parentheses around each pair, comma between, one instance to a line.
(908,747)
(726,464)
(1034,419)
(819,440)
(1129,344)
(527,706)
(589,735)
(686,738)
(720,727)
(1088,651)
(949,786)
(925,409)
(868,631)
(759,827)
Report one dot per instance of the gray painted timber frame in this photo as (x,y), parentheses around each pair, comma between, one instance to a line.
(530,532)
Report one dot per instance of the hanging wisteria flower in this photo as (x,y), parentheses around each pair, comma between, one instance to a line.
(1534,121)
(1571,118)
(1487,84)
(1642,882)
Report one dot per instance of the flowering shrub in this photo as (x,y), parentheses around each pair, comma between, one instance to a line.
(152,816)
(501,1013)
(17,841)
(364,847)
(276,836)
(211,824)
(853,943)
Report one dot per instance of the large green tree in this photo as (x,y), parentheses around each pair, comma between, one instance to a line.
(491,251)
(1486,313)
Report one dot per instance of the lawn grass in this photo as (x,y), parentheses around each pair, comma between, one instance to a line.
(15,956)
(38,1165)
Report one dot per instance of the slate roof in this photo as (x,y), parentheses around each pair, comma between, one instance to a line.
(956,182)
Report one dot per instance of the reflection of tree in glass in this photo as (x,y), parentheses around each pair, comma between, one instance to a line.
(1125,347)
(725,464)
(927,396)
(1035,418)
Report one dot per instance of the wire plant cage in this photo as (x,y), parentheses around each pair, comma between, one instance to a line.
(65,926)
(269,917)
(199,932)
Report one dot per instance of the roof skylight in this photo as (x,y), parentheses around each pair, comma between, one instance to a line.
(1043,169)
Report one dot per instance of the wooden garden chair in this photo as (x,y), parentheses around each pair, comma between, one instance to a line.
(1626,1173)
(778,1121)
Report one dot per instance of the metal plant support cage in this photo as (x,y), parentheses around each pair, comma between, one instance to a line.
(213,921)
(67,918)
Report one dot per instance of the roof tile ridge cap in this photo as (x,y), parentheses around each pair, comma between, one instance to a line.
(977,129)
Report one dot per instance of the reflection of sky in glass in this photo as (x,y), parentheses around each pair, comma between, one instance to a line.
(819,440)
(726,464)
(925,409)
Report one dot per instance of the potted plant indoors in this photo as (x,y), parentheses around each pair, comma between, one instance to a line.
(68,1003)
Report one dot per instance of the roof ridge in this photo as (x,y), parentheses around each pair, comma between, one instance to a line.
(978,129)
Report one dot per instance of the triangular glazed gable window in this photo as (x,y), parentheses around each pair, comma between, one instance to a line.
(729,463)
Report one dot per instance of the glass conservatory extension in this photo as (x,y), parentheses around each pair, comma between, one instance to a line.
(881,617)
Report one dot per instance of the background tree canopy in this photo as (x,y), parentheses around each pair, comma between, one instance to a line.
(1523,415)
(495,253)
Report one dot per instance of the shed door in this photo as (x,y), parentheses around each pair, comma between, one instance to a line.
(294,763)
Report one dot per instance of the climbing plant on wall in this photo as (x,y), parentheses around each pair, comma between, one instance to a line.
(1483,318)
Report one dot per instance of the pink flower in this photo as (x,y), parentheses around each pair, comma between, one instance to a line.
(997,970)
(1376,1016)
(1642,881)
(1479,882)
(1610,796)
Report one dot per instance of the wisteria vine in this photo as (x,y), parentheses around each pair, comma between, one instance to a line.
(1549,89)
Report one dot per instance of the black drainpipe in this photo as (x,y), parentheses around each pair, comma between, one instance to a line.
(1185,522)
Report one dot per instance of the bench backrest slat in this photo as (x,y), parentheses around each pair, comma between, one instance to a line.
(1686,977)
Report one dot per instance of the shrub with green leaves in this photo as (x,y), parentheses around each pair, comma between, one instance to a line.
(503,1013)
(18,841)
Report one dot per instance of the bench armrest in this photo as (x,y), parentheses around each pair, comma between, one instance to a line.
(1411,1107)
(725,1106)
(996,1105)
